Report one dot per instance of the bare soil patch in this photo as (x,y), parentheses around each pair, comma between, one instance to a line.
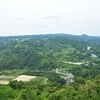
(24,78)
(4,82)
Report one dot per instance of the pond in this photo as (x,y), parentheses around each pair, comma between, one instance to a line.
(93,55)
(88,48)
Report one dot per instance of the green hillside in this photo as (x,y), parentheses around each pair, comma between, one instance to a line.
(48,52)
(66,67)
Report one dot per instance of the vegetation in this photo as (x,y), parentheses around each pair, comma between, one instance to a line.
(79,90)
(41,55)
(47,52)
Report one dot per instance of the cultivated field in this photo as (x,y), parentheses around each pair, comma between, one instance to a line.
(4,82)
(24,78)
(5,79)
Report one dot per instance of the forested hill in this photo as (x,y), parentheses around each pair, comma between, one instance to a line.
(47,52)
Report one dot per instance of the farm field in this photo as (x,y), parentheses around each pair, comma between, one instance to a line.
(5,79)
(24,78)
(10,75)
(4,82)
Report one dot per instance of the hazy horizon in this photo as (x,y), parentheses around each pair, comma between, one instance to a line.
(49,34)
(33,17)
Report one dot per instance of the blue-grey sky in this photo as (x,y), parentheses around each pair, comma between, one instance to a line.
(28,17)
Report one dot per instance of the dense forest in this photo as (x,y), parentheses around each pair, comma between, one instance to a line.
(47,52)
(41,55)
(79,90)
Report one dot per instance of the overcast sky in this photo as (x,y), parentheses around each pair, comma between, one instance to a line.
(26,17)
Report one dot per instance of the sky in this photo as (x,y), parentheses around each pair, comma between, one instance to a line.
(29,17)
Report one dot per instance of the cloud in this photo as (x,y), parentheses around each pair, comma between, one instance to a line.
(50,17)
(20,18)
(36,14)
(41,25)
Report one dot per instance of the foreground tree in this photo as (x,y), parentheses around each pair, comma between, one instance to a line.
(16,85)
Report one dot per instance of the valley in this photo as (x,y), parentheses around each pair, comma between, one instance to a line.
(49,67)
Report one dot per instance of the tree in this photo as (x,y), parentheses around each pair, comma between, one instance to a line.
(16,85)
